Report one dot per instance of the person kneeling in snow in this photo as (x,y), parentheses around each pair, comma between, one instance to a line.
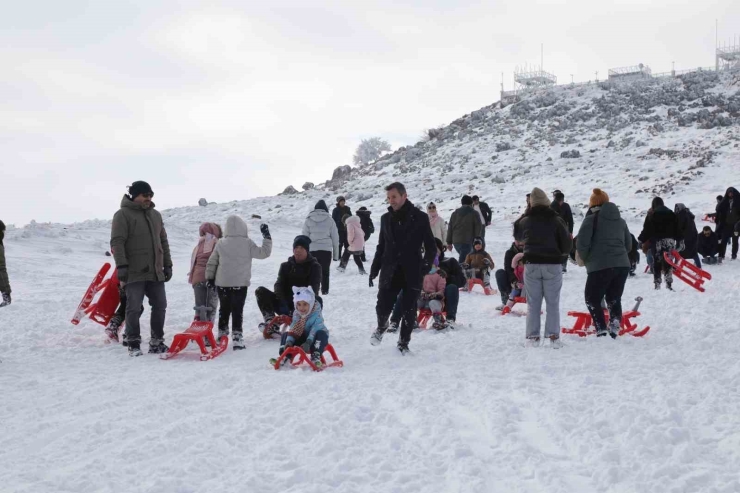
(517,266)
(307,329)
(478,264)
(433,295)
(708,245)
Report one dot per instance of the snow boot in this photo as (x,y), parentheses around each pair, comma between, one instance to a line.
(403,347)
(657,285)
(237,341)
(377,336)
(112,333)
(157,346)
(316,359)
(555,342)
(363,272)
(223,333)
(439,322)
(451,323)
(134,349)
(532,342)
(393,327)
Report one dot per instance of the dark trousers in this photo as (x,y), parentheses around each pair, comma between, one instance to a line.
(120,315)
(321,339)
(463,249)
(609,284)
(660,266)
(504,286)
(726,235)
(135,292)
(232,305)
(356,255)
(387,298)
(324,259)
(343,242)
(269,304)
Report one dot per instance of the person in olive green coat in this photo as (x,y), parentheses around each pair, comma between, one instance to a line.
(4,282)
(142,254)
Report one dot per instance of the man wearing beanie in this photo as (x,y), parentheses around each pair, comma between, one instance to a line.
(465,225)
(4,282)
(302,269)
(337,214)
(321,229)
(560,206)
(546,242)
(142,254)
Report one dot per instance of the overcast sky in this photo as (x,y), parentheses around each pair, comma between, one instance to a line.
(235,99)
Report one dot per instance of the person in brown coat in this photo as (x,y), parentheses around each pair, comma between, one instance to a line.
(478,264)
(142,255)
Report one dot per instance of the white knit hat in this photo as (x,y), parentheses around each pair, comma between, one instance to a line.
(304,293)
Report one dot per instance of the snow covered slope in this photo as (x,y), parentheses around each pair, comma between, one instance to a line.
(471,410)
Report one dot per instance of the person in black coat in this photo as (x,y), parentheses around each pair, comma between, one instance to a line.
(728,214)
(302,269)
(367,226)
(484,209)
(634,255)
(505,278)
(337,214)
(560,206)
(690,234)
(404,230)
(708,245)
(663,233)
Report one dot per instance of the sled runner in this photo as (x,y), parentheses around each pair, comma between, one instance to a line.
(519,299)
(584,324)
(296,356)
(283,321)
(198,331)
(425,314)
(472,282)
(686,271)
(105,294)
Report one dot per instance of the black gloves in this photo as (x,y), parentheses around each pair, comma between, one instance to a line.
(6,300)
(211,283)
(265,232)
(370,280)
(123,273)
(167,273)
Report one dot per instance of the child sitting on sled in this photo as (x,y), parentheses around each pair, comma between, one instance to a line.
(307,328)
(478,264)
(517,265)
(433,293)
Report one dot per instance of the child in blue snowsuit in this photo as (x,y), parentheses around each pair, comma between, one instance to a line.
(307,328)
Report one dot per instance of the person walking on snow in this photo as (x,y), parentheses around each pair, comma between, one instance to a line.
(546,242)
(465,225)
(324,235)
(356,241)
(662,231)
(229,269)
(604,243)
(367,226)
(563,209)
(142,255)
(209,236)
(485,215)
(728,214)
(687,224)
(302,269)
(437,222)
(337,214)
(404,230)
(4,281)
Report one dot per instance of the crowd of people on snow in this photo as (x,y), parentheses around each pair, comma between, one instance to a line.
(410,264)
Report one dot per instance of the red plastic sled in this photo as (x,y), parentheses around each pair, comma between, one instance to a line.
(283,321)
(479,282)
(294,352)
(104,293)
(197,332)
(710,218)
(686,271)
(583,326)
(519,299)
(425,314)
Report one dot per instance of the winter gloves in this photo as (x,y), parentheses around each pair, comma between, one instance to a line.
(167,273)
(6,300)
(211,283)
(123,273)
(306,346)
(265,232)
(370,281)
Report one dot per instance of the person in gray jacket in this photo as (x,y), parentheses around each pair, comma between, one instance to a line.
(230,270)
(604,243)
(322,230)
(546,242)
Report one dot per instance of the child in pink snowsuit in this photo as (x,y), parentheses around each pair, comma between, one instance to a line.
(432,294)
(518,266)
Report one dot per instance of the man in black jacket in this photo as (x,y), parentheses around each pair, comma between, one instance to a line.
(367,226)
(485,211)
(728,214)
(505,278)
(690,234)
(708,245)
(302,269)
(662,231)
(337,214)
(404,230)
(560,206)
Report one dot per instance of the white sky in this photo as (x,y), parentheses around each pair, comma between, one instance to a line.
(235,99)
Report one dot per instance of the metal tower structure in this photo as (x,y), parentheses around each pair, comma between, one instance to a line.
(728,56)
(635,72)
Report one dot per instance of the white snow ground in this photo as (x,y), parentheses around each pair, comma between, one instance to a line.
(471,410)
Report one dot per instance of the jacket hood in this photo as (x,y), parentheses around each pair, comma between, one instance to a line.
(319,216)
(609,210)
(321,205)
(130,204)
(211,228)
(363,213)
(516,259)
(235,226)
(734,193)
(353,220)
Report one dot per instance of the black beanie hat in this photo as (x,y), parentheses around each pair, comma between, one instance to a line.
(301,241)
(341,199)
(477,241)
(467,200)
(321,205)
(139,187)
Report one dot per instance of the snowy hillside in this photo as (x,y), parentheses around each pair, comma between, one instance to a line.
(470,410)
